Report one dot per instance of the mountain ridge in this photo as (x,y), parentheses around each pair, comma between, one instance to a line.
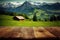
(27,7)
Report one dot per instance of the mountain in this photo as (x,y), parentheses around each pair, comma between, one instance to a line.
(54,6)
(26,7)
(7,5)
(10,4)
(36,3)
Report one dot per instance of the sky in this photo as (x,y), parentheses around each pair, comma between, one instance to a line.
(30,0)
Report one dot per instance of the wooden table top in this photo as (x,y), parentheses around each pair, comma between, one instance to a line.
(29,32)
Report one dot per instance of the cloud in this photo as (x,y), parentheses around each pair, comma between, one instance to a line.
(34,0)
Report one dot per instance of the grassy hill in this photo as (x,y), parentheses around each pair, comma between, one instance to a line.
(6,20)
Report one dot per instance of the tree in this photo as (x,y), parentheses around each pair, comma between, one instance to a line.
(34,16)
(25,16)
(53,18)
(58,17)
(43,15)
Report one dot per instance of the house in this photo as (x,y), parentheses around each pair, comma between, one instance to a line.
(18,18)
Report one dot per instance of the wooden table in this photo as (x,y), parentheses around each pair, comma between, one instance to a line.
(30,32)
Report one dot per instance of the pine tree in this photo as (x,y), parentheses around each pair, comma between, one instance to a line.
(34,17)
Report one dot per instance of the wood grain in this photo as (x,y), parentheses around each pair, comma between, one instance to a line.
(29,32)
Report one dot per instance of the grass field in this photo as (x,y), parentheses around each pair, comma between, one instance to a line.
(6,20)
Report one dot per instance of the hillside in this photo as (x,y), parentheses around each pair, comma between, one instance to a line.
(6,20)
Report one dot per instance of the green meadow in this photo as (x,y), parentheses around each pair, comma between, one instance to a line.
(6,20)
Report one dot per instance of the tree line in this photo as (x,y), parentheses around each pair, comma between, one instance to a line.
(43,16)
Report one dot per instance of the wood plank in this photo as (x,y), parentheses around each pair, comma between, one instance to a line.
(27,32)
(16,32)
(54,30)
(41,32)
(5,30)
